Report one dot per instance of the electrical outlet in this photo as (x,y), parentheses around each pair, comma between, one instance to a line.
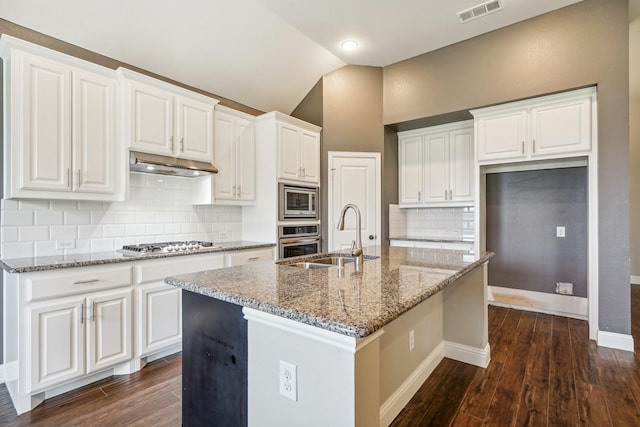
(412,340)
(223,235)
(564,288)
(560,232)
(288,380)
(65,244)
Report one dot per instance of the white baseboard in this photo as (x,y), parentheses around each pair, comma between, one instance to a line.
(635,280)
(615,340)
(471,355)
(2,378)
(542,302)
(399,399)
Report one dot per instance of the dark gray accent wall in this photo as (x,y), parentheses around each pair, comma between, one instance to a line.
(579,45)
(523,210)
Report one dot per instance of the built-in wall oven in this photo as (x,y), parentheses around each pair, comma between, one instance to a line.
(298,203)
(298,239)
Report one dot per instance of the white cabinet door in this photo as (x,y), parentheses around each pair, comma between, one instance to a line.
(561,127)
(42,125)
(410,159)
(436,168)
(57,341)
(310,157)
(151,121)
(246,160)
(235,158)
(461,165)
(502,135)
(289,152)
(224,182)
(194,129)
(109,337)
(94,133)
(159,317)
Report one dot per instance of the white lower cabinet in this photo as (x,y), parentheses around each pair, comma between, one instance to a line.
(74,336)
(158,305)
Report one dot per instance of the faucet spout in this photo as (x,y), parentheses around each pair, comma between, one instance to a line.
(356,247)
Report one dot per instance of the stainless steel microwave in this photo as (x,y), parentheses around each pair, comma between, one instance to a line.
(298,202)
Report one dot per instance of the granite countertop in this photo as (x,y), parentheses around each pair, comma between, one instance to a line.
(26,265)
(341,300)
(433,239)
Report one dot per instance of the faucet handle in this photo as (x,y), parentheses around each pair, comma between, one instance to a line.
(353,245)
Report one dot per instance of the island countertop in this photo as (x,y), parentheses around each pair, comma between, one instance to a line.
(342,300)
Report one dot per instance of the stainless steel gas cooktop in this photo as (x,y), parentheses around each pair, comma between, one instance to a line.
(166,247)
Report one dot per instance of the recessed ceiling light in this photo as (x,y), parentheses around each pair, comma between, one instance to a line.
(349,44)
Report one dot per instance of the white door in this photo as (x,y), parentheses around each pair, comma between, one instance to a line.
(288,152)
(45,127)
(354,178)
(57,342)
(225,157)
(94,132)
(194,129)
(152,119)
(159,317)
(109,334)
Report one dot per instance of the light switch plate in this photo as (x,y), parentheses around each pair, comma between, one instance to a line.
(560,232)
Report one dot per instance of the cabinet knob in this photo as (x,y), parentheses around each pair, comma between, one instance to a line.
(182,145)
(372,237)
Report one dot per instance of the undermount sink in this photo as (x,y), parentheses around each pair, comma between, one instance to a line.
(330,261)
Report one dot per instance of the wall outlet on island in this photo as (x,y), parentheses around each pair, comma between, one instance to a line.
(288,381)
(412,340)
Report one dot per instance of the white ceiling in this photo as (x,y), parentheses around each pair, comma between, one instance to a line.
(266,54)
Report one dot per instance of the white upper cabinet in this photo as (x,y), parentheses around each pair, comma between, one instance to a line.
(167,120)
(235,157)
(536,129)
(61,140)
(435,166)
(298,149)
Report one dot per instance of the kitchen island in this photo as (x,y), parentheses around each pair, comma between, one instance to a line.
(356,345)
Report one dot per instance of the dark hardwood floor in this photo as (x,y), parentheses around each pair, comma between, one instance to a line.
(544,372)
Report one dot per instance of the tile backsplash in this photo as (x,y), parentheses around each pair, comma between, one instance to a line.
(158,209)
(443,223)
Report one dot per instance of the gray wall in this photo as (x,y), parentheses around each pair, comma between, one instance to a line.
(634,143)
(351,104)
(523,210)
(579,45)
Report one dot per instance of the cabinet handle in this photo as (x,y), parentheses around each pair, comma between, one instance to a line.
(253,258)
(304,172)
(79,177)
(182,145)
(93,312)
(69,178)
(534,145)
(238,193)
(522,147)
(171,142)
(82,282)
(82,314)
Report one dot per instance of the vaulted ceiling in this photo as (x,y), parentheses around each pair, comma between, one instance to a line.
(266,54)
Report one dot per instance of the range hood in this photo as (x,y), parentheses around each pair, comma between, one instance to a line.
(165,165)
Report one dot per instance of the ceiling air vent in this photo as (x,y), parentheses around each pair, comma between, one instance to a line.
(479,10)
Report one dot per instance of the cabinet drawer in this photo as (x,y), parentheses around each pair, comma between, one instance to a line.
(159,269)
(50,284)
(241,258)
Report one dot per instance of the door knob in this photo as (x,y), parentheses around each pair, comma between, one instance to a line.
(371,237)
